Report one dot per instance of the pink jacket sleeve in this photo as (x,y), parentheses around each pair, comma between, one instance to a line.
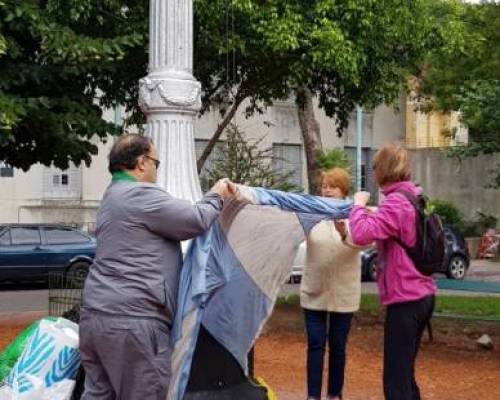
(367,226)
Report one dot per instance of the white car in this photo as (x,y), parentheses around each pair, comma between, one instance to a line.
(298,264)
(368,264)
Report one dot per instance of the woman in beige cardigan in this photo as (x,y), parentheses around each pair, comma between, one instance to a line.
(330,292)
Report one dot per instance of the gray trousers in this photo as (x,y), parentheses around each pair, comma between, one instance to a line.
(124,358)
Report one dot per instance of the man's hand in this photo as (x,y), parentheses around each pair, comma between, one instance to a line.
(225,188)
(361,198)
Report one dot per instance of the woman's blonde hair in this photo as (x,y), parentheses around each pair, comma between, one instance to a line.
(391,164)
(336,177)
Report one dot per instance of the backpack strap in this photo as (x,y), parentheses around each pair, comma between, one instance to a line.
(418,209)
(411,198)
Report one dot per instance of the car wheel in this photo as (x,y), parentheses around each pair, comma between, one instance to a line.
(456,268)
(371,271)
(78,271)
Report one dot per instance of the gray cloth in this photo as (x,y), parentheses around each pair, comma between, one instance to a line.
(124,359)
(138,258)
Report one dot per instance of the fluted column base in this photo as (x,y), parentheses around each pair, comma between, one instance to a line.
(171,101)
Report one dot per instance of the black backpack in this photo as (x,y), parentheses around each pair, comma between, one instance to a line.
(428,252)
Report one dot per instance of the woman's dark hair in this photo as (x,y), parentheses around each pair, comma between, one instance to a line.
(126,150)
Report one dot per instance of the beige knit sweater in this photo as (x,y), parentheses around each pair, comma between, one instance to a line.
(331,279)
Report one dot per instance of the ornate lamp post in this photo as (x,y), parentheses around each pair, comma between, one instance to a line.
(171,97)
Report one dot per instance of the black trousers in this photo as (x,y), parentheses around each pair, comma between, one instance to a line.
(404,326)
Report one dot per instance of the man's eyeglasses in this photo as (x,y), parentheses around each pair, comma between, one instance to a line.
(157,162)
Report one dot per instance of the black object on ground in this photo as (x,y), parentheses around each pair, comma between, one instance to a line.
(216,375)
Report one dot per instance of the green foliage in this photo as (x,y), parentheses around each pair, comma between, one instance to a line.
(478,102)
(451,215)
(468,78)
(345,52)
(55,55)
(246,162)
(332,158)
(448,212)
(487,221)
(242,51)
(62,60)
(480,224)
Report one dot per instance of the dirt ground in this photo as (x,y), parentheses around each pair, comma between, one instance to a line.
(450,368)
(7,333)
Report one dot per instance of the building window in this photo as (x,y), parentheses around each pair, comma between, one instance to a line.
(64,179)
(59,184)
(287,160)
(6,171)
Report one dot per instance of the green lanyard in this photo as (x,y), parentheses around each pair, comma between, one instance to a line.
(122,176)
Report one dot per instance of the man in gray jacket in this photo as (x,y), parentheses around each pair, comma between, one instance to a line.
(130,294)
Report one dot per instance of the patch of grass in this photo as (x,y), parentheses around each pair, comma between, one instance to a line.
(451,305)
(476,306)
(469,306)
(293,300)
(370,303)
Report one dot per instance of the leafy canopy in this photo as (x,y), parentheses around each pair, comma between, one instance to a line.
(468,78)
(54,57)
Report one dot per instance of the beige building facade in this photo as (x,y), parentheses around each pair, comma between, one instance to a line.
(49,195)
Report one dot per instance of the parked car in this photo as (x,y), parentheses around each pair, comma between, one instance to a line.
(455,264)
(30,252)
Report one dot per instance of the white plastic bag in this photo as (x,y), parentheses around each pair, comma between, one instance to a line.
(47,367)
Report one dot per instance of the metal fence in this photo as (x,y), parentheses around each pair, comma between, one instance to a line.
(65,294)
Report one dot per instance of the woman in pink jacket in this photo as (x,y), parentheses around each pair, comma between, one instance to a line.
(407,294)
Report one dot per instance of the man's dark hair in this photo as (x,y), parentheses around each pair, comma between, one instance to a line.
(126,150)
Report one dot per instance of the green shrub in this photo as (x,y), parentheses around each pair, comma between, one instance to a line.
(486,221)
(332,158)
(448,212)
(244,161)
(481,224)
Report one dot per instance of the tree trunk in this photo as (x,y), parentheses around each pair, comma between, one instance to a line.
(218,132)
(311,137)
